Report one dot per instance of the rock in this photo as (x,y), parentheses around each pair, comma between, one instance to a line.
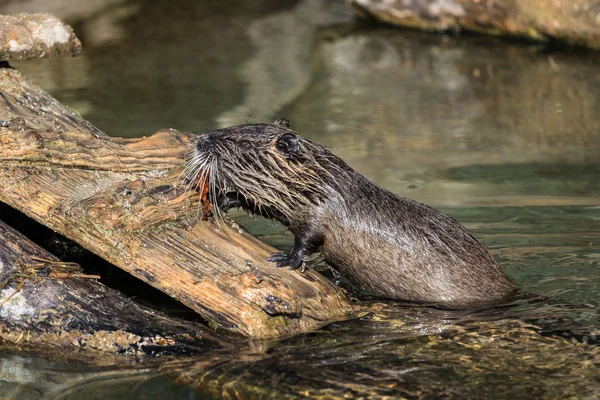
(25,36)
(575,22)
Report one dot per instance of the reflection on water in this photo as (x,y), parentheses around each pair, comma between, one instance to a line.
(25,376)
(503,136)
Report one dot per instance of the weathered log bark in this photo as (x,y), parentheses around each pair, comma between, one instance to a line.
(25,36)
(46,302)
(120,198)
(575,22)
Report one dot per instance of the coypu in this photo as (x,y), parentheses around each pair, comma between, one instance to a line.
(388,245)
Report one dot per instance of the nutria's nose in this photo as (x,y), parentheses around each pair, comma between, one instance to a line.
(202,144)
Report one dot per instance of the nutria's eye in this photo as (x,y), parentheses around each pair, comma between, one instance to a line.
(287,144)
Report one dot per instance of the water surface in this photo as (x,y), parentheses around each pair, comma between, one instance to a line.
(501,135)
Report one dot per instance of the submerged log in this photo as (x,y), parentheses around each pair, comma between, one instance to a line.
(44,301)
(122,199)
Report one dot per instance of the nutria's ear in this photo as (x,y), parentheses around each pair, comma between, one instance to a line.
(282,122)
(287,144)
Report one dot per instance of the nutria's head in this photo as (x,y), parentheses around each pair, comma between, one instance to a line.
(269,168)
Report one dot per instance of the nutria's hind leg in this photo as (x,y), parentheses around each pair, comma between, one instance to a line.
(303,248)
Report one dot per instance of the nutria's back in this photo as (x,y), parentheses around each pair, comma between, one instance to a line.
(418,252)
(391,246)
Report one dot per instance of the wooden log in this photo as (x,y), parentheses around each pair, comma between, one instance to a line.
(44,301)
(122,199)
(25,36)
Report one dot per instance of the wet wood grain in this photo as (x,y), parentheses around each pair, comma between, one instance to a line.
(46,302)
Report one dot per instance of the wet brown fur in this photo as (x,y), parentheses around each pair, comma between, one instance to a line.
(389,245)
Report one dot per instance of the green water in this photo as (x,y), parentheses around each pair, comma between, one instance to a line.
(503,136)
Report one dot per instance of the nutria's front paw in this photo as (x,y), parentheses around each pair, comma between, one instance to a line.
(280,259)
(227,202)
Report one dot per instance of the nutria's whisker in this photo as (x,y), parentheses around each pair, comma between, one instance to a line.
(192,180)
(205,182)
(195,169)
(190,165)
(214,180)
